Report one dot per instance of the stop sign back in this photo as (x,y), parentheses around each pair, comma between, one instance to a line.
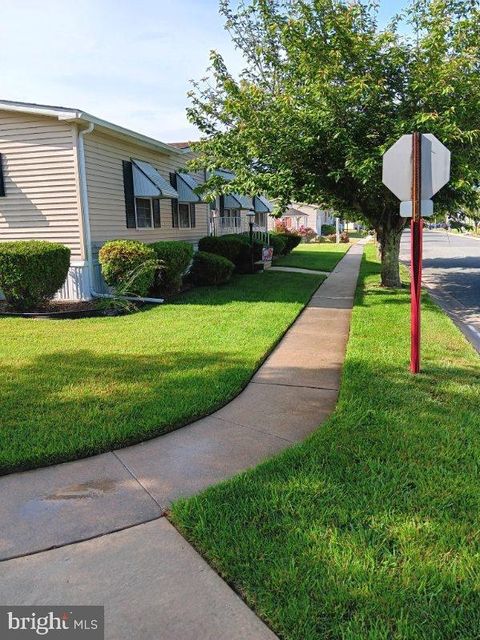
(397,167)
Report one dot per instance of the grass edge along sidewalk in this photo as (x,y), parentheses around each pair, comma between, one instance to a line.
(316,256)
(368,529)
(74,388)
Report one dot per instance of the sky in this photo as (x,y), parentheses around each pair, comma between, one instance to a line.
(126,61)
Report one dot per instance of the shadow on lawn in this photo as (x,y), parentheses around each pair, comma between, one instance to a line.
(373,521)
(72,404)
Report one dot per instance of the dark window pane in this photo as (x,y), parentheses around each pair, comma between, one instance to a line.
(144,213)
(156,212)
(184,215)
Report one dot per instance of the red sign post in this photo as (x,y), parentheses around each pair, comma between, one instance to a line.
(416,243)
(414,169)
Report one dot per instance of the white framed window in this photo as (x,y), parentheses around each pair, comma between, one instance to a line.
(186,215)
(261,219)
(147,213)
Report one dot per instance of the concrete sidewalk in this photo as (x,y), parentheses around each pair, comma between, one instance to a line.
(148,572)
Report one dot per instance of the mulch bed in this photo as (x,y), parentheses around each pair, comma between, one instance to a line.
(59,309)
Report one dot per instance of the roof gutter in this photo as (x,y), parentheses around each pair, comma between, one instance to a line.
(86,222)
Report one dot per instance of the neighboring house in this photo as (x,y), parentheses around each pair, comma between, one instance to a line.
(229,213)
(306,215)
(69,177)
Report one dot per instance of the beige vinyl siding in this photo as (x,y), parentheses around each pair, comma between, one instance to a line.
(39,165)
(103,156)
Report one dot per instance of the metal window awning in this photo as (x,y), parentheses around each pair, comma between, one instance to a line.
(237,201)
(186,185)
(226,175)
(262,205)
(148,183)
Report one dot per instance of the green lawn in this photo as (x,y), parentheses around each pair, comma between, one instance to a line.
(318,256)
(369,529)
(71,388)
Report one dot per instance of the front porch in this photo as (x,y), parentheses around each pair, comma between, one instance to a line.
(238,223)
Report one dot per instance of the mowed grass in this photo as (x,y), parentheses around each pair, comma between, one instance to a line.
(318,256)
(71,388)
(370,529)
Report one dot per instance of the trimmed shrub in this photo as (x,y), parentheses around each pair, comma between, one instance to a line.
(292,240)
(243,261)
(174,257)
(278,244)
(32,271)
(228,246)
(209,268)
(128,265)
(328,229)
(344,237)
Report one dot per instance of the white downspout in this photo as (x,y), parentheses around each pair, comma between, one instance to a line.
(84,202)
(86,222)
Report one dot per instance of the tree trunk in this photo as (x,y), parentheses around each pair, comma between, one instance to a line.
(389,236)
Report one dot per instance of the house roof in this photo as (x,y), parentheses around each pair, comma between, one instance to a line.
(181,145)
(293,212)
(69,114)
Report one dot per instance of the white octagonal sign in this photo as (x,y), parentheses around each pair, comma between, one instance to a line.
(397,167)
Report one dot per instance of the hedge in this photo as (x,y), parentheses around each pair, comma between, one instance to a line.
(241,241)
(128,265)
(278,244)
(292,240)
(174,257)
(228,246)
(210,269)
(328,229)
(32,271)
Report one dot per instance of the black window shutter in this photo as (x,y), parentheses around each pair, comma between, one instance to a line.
(173,182)
(2,180)
(222,205)
(193,221)
(129,194)
(156,213)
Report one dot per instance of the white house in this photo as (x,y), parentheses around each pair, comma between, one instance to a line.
(70,177)
(305,215)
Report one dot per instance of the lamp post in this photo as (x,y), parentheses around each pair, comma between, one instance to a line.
(251,217)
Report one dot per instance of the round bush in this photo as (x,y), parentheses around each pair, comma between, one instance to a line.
(32,271)
(244,261)
(278,244)
(174,257)
(228,246)
(292,240)
(328,229)
(128,265)
(208,268)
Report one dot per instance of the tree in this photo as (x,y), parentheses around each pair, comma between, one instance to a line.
(324,92)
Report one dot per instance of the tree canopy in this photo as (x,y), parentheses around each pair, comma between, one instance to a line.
(325,90)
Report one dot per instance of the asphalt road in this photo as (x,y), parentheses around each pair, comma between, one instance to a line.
(451,272)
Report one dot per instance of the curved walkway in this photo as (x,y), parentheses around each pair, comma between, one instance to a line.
(150,567)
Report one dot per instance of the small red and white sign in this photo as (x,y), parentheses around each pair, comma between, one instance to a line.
(267,254)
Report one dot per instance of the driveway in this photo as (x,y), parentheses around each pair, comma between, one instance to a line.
(451,272)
